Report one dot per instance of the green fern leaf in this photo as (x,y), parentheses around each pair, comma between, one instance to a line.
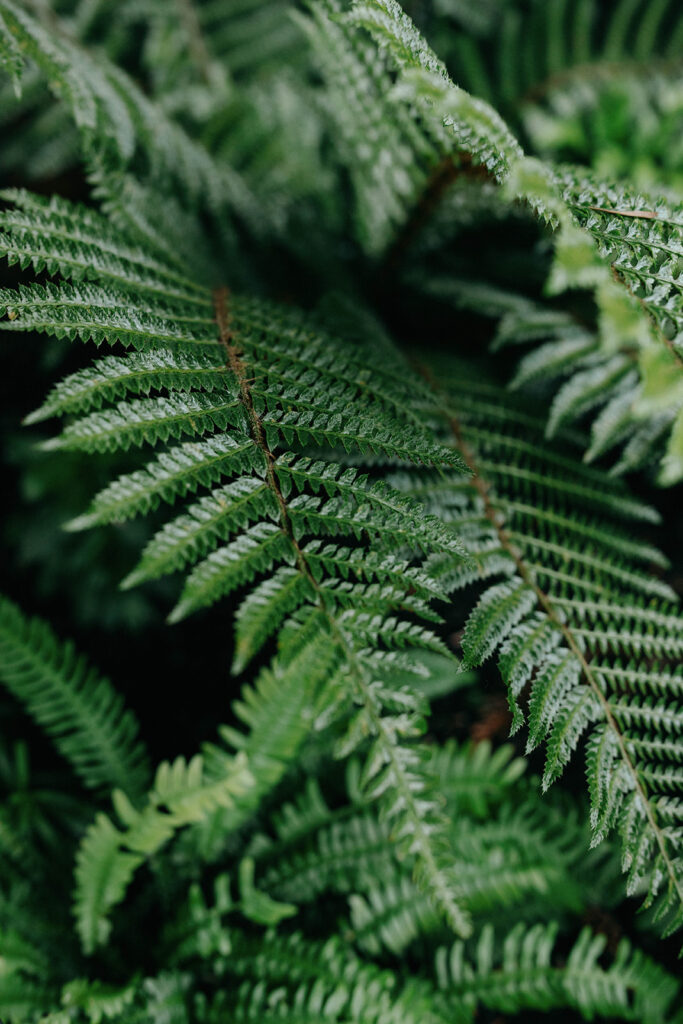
(575,619)
(80,711)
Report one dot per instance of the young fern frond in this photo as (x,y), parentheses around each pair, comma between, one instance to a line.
(595,638)
(276,714)
(81,712)
(633,396)
(183,794)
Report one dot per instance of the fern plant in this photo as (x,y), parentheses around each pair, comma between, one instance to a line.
(292,234)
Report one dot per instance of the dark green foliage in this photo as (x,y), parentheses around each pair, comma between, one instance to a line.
(82,713)
(291,232)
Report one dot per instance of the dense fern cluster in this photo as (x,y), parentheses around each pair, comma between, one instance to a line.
(291,230)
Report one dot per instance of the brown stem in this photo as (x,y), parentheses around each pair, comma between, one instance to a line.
(444,174)
(236,364)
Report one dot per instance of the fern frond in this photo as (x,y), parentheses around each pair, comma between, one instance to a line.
(78,243)
(277,714)
(21,998)
(640,236)
(341,853)
(577,622)
(94,314)
(214,517)
(117,122)
(80,711)
(201,44)
(180,470)
(293,979)
(149,420)
(531,49)
(99,1001)
(544,857)
(349,850)
(268,395)
(336,495)
(389,172)
(524,973)
(109,856)
(619,262)
(632,394)
(42,139)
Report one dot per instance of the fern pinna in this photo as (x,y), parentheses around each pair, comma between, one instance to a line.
(294,236)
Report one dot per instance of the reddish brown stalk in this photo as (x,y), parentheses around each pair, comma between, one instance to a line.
(449,170)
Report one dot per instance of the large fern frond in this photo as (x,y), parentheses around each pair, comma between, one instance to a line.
(275,387)
(576,618)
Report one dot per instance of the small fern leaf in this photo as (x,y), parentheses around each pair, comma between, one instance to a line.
(80,711)
(108,856)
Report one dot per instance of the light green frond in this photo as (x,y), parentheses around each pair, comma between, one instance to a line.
(184,793)
(276,715)
(620,245)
